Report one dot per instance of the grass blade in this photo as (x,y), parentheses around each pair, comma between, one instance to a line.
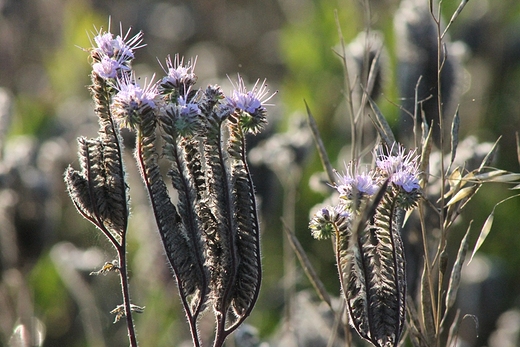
(453,285)
(427,309)
(308,268)
(324,157)
(462,194)
(382,126)
(489,157)
(454,136)
(484,232)
(518,146)
(511,177)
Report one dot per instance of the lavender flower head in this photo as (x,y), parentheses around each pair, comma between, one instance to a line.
(364,183)
(119,48)
(248,101)
(132,102)
(108,67)
(179,74)
(186,116)
(188,108)
(402,168)
(111,55)
(323,221)
(249,105)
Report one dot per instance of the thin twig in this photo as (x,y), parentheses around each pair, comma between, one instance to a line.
(455,15)
(442,242)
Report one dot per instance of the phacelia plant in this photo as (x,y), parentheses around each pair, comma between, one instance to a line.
(211,232)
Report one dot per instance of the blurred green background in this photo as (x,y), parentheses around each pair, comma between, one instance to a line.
(48,250)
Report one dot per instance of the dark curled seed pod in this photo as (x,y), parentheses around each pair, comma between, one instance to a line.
(98,190)
(180,231)
(372,268)
(248,241)
(248,272)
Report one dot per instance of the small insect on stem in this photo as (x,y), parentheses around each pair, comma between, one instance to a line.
(119,311)
(106,268)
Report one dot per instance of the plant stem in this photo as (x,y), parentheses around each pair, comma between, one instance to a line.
(123,274)
(442,243)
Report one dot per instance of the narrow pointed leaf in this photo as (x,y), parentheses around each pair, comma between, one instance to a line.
(453,285)
(462,194)
(486,228)
(454,16)
(425,157)
(324,157)
(454,135)
(306,264)
(490,156)
(427,307)
(511,177)
(517,136)
(454,329)
(414,325)
(487,176)
(381,124)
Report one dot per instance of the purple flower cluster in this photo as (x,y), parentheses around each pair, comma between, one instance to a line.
(321,224)
(248,106)
(131,99)
(357,184)
(252,101)
(362,183)
(188,108)
(402,169)
(178,73)
(186,116)
(131,93)
(113,54)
